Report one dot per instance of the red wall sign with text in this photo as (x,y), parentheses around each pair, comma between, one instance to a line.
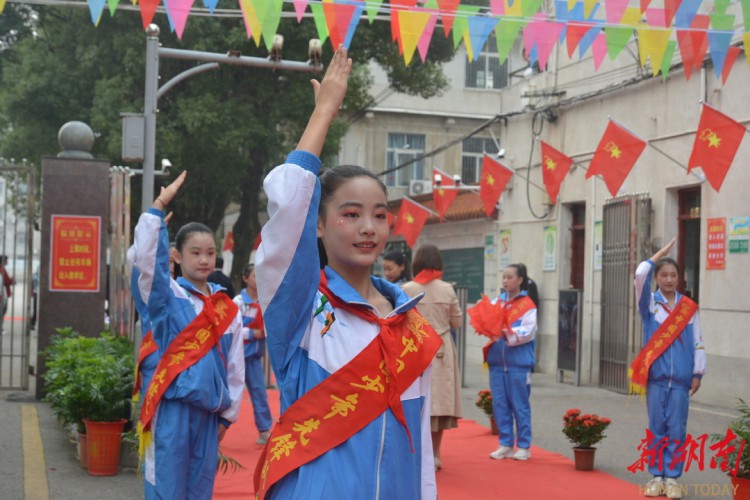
(74,254)
(716,246)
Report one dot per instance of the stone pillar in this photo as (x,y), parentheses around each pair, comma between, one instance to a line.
(75,194)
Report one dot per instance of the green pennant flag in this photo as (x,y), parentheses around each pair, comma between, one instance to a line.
(270,24)
(112,6)
(530,7)
(505,35)
(746,14)
(617,39)
(320,20)
(461,22)
(666,62)
(372,7)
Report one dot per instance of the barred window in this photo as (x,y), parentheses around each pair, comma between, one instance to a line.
(471,157)
(487,72)
(402,148)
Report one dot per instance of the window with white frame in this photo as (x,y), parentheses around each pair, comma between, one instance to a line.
(471,157)
(487,72)
(401,149)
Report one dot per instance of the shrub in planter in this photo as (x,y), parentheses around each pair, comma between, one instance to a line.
(89,378)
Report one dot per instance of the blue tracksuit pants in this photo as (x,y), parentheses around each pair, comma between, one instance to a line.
(510,401)
(667,418)
(256,386)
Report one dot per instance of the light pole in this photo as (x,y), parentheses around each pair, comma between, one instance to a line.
(152,91)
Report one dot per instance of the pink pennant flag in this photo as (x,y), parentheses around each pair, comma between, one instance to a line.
(179,11)
(543,35)
(656,18)
(615,10)
(247,11)
(599,49)
(497,7)
(299,8)
(424,41)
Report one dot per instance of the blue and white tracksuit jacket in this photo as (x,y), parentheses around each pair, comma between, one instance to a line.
(255,379)
(511,360)
(671,374)
(148,366)
(182,458)
(376,462)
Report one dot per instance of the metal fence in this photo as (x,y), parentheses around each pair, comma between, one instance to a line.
(19,281)
(625,242)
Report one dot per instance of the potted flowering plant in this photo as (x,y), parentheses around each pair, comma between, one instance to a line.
(738,461)
(484,403)
(584,431)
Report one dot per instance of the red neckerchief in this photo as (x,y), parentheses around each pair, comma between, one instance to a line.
(426,275)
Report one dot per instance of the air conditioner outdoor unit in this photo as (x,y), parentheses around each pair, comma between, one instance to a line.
(417,187)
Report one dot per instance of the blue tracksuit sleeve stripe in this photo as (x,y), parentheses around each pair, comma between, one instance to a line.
(287,263)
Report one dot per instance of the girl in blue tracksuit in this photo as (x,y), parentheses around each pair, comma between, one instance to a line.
(308,339)
(676,374)
(511,359)
(254,339)
(199,405)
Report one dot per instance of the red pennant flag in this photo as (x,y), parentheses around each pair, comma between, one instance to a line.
(410,220)
(615,156)
(442,197)
(573,34)
(732,53)
(448,14)
(495,177)
(148,9)
(555,165)
(716,142)
(229,242)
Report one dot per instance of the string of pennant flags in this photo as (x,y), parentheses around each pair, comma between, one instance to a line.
(717,140)
(695,27)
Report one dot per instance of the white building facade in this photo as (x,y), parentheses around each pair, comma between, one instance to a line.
(589,242)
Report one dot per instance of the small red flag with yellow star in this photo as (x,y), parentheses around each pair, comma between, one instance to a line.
(495,177)
(615,156)
(716,142)
(440,195)
(554,167)
(410,221)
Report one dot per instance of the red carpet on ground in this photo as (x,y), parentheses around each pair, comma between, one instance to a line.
(468,472)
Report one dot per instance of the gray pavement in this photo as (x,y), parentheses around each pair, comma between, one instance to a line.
(68,481)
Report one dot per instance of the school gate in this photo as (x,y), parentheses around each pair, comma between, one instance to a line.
(17,209)
(626,241)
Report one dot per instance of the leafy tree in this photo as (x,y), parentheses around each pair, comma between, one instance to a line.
(228,127)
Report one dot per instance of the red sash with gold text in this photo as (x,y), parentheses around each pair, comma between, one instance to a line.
(512,311)
(352,397)
(148,347)
(662,338)
(190,345)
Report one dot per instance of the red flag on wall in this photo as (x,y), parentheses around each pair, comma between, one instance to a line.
(555,166)
(441,196)
(410,220)
(615,156)
(716,142)
(495,177)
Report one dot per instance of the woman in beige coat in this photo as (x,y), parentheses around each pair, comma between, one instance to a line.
(440,307)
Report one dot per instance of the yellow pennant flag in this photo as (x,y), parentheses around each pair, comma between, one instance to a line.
(745,41)
(251,20)
(514,10)
(411,24)
(631,17)
(2,6)
(588,6)
(467,42)
(652,44)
